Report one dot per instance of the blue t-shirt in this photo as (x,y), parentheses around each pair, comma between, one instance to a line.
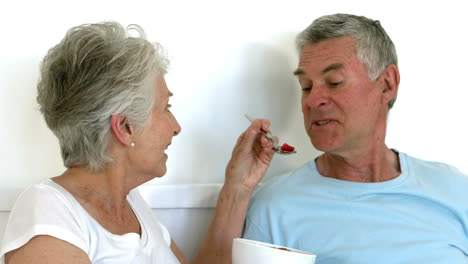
(419,217)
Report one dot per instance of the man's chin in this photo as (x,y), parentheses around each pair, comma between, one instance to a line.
(324,146)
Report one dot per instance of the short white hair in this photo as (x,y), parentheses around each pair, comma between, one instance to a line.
(96,71)
(373,46)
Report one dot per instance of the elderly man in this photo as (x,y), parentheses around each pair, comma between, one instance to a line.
(359,202)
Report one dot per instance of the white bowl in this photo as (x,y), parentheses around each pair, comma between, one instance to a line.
(245,251)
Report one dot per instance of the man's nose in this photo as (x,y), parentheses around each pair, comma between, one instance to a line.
(318,97)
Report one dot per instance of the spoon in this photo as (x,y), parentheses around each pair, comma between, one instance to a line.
(276,148)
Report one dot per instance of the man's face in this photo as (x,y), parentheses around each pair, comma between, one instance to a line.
(342,108)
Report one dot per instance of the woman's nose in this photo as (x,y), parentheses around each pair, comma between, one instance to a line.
(177,128)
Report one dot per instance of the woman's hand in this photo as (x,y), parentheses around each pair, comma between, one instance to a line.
(251,158)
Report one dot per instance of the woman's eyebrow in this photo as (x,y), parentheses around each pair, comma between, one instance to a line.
(298,72)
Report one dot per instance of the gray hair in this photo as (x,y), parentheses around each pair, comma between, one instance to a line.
(96,71)
(373,46)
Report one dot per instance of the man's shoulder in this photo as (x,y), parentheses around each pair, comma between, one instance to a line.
(275,186)
(435,172)
(432,167)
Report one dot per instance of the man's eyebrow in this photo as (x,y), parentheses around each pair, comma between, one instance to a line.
(332,67)
(170,94)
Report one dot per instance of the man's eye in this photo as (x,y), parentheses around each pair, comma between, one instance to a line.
(306,89)
(335,84)
(168,107)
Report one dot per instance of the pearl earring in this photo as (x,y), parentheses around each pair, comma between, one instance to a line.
(132,144)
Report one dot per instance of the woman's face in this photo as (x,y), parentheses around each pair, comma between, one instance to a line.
(156,136)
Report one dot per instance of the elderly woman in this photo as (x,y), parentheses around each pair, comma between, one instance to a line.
(103,95)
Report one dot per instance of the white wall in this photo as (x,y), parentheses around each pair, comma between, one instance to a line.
(235,57)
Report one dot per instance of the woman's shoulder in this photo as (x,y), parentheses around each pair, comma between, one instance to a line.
(45,194)
(46,203)
(44,209)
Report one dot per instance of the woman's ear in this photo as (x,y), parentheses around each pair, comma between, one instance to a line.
(391,77)
(122,130)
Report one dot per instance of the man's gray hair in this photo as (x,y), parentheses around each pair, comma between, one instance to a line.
(373,46)
(96,71)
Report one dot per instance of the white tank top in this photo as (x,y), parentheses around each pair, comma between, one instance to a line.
(48,209)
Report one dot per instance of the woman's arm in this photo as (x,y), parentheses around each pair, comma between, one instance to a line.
(47,249)
(250,160)
(178,253)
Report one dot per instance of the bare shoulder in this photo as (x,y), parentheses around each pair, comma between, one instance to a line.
(47,249)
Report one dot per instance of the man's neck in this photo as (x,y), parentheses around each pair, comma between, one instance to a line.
(369,166)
